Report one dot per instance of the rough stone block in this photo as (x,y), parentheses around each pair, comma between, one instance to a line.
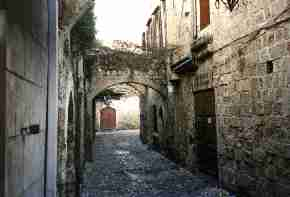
(246,183)
(282,189)
(264,55)
(278,51)
(277,108)
(228,177)
(258,109)
(264,188)
(268,108)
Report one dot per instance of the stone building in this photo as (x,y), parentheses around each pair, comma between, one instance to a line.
(228,90)
(72,132)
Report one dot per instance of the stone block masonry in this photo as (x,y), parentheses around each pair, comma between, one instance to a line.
(248,71)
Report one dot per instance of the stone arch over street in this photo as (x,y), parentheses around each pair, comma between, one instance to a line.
(148,94)
(108,84)
(132,73)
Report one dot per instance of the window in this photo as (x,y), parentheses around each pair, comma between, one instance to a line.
(204,13)
(270,67)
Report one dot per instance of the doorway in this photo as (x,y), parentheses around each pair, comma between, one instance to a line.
(108,118)
(206,132)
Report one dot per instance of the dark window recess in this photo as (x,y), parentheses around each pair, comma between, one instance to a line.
(187,13)
(270,67)
(161,114)
(204,13)
(155,118)
(71,110)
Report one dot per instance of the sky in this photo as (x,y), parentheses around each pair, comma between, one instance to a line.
(121,19)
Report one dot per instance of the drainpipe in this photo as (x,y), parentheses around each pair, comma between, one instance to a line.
(50,160)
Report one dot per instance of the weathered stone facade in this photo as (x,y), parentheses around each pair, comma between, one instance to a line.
(66,171)
(115,70)
(243,56)
(71,103)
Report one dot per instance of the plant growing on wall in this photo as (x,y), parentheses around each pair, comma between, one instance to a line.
(83,33)
(134,59)
(230,4)
(83,38)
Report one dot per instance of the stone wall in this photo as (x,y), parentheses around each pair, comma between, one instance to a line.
(247,66)
(24,66)
(112,68)
(65,93)
(184,113)
(71,119)
(249,73)
(152,121)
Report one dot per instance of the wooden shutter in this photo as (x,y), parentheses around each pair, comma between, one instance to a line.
(204,13)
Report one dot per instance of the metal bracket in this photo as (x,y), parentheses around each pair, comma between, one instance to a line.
(31,130)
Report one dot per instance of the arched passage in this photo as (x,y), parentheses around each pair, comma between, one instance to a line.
(148,96)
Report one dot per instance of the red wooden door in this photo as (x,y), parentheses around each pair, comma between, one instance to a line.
(108,118)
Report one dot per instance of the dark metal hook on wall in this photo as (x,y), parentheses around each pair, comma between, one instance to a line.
(31,130)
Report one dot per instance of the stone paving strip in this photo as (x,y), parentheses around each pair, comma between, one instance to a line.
(124,167)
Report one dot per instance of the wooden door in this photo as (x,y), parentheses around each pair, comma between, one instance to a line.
(108,118)
(206,132)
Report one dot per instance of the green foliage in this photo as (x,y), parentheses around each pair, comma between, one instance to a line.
(83,33)
(129,121)
(83,39)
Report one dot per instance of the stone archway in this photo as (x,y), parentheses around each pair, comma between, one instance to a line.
(112,68)
(140,90)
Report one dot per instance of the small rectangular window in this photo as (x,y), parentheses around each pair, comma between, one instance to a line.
(204,13)
(270,67)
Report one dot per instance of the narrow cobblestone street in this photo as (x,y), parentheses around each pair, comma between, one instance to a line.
(126,168)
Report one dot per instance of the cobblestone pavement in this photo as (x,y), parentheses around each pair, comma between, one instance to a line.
(126,168)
